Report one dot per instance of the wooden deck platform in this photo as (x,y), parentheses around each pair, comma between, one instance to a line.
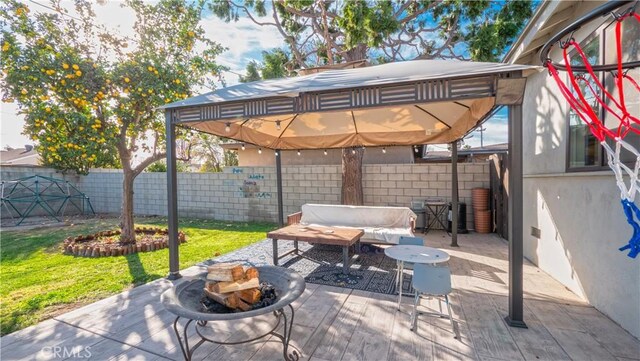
(340,324)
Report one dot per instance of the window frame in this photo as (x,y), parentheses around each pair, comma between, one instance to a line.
(600,162)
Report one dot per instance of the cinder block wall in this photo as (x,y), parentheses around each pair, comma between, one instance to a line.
(399,185)
(249,193)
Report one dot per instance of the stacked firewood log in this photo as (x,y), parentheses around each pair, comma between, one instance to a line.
(233,286)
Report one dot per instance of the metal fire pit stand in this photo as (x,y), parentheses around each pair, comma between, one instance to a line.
(183,301)
(279,315)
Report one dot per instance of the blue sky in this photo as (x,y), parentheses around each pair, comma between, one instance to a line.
(496,130)
(245,42)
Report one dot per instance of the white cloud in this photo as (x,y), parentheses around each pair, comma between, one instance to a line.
(496,132)
(245,41)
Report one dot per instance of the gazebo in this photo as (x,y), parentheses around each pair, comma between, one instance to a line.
(404,103)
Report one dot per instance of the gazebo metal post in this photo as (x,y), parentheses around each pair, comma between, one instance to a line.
(515,317)
(172,198)
(454,194)
(279,186)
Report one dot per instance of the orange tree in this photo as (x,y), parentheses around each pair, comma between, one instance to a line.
(90,95)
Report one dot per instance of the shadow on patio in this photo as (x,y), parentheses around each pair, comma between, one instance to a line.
(334,323)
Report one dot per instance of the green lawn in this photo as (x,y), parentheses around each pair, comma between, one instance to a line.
(38,282)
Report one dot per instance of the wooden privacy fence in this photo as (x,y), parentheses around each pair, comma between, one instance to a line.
(499,180)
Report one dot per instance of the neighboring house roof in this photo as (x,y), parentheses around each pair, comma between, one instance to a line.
(487,149)
(348,65)
(462,153)
(19,156)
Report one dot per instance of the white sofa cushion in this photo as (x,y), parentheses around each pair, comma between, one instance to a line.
(386,235)
(381,224)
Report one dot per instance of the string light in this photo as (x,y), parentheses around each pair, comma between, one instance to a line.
(415,148)
(353,151)
(227,127)
(278,125)
(384,149)
(259,150)
(325,152)
(298,151)
(242,146)
(277,153)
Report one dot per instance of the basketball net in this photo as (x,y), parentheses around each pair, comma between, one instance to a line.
(587,84)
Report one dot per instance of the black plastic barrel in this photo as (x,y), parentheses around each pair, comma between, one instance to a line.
(462,218)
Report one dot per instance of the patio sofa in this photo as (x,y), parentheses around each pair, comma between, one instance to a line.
(381,225)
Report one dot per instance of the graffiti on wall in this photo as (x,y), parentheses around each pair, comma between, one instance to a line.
(250,187)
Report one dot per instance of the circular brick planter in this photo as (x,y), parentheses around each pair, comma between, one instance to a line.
(106,243)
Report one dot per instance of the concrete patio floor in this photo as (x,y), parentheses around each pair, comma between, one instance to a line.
(342,324)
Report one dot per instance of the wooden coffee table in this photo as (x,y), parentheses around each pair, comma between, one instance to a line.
(344,237)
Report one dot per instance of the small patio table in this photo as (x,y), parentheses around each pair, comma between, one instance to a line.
(413,254)
(343,237)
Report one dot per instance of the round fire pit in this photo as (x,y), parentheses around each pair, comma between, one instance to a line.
(184,300)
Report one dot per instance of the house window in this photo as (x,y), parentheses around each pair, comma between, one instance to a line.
(585,151)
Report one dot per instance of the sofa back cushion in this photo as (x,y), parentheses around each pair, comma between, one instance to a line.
(357,216)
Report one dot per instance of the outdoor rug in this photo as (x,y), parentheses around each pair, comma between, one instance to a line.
(370,270)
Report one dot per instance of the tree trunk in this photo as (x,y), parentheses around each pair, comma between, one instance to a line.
(359,52)
(128,235)
(352,176)
(352,193)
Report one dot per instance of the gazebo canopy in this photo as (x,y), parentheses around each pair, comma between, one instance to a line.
(416,102)
(405,103)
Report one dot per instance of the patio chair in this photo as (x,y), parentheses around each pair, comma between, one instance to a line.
(431,281)
(405,240)
(410,241)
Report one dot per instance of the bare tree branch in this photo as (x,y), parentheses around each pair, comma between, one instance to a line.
(313,29)
(250,16)
(147,162)
(288,38)
(327,38)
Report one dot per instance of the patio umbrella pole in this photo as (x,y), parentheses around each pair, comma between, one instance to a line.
(279,186)
(515,317)
(454,194)
(172,199)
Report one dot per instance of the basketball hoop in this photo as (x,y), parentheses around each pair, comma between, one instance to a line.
(586,94)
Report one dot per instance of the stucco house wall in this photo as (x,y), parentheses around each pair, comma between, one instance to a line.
(578,214)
